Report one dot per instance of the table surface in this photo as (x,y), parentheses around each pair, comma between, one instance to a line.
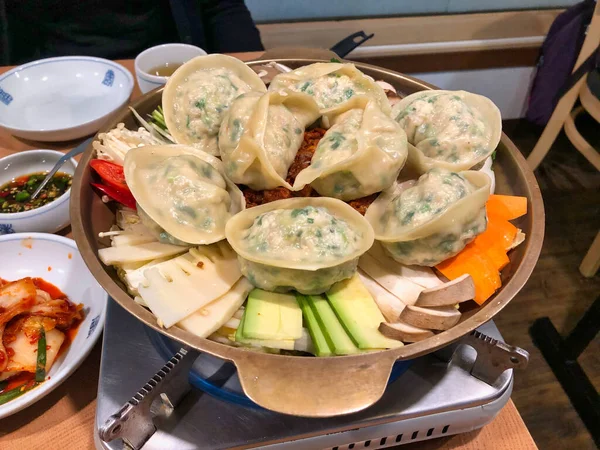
(66,415)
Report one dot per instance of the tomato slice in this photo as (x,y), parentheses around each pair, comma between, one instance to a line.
(122,196)
(111,174)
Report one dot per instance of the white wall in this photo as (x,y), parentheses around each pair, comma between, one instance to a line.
(507,87)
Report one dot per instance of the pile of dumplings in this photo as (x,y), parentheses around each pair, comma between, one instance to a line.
(232,130)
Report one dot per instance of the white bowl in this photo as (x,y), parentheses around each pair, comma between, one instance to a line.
(48,218)
(158,56)
(30,255)
(59,99)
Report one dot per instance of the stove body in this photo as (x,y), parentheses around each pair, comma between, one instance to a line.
(432,398)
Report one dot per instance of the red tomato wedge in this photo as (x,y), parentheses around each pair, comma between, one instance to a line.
(122,196)
(111,174)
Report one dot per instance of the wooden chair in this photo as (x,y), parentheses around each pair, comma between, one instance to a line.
(564,116)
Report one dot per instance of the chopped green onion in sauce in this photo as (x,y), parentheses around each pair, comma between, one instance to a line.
(15,196)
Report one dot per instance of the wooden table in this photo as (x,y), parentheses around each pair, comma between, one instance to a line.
(65,418)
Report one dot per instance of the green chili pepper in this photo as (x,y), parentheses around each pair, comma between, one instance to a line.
(40,370)
(60,183)
(22,196)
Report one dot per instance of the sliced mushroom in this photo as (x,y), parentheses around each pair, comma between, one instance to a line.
(404,332)
(519,238)
(387,277)
(389,305)
(456,291)
(387,86)
(423,276)
(438,318)
(270,70)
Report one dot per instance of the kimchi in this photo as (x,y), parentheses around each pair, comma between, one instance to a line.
(36,321)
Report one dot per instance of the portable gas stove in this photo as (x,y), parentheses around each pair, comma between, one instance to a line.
(455,390)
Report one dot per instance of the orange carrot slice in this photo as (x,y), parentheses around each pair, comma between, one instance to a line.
(496,254)
(501,231)
(492,244)
(476,263)
(507,207)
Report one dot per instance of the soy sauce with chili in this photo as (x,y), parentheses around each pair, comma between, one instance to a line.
(15,196)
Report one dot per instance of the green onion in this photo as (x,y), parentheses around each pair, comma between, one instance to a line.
(7,396)
(40,370)
(494,155)
(158,118)
(334,60)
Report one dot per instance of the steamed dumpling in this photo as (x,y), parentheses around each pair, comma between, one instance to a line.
(199,93)
(183,192)
(261,134)
(331,84)
(306,244)
(362,153)
(454,130)
(428,221)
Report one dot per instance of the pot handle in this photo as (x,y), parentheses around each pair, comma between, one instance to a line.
(349,43)
(314,387)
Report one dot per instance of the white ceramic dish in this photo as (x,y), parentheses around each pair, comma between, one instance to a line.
(158,56)
(59,99)
(30,255)
(49,218)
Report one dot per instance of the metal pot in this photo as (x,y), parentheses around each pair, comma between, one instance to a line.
(304,386)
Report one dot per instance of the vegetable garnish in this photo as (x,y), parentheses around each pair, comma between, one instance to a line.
(124,197)
(110,173)
(334,60)
(158,118)
(40,370)
(113,182)
(15,196)
(7,396)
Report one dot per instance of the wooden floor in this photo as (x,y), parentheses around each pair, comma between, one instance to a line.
(571,191)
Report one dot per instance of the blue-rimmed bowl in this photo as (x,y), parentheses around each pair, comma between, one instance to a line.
(49,218)
(59,99)
(56,260)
